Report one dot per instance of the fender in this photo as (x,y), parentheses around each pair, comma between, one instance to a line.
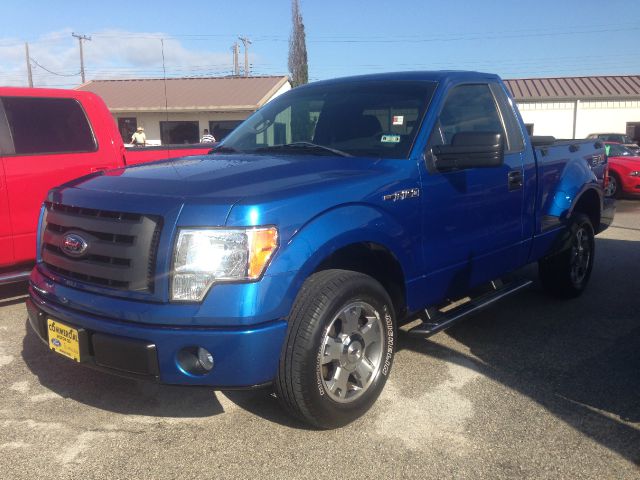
(576,178)
(337,228)
(586,188)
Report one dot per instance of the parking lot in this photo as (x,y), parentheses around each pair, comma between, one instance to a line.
(531,388)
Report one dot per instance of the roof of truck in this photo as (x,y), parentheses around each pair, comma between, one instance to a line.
(435,76)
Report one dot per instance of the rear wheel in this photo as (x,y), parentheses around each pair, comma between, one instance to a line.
(567,273)
(339,348)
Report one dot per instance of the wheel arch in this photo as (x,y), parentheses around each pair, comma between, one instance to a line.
(360,238)
(589,202)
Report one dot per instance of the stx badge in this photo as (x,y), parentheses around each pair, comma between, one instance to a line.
(402,195)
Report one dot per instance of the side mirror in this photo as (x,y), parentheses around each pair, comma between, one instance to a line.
(470,150)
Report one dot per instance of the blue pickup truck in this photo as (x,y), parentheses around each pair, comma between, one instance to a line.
(290,256)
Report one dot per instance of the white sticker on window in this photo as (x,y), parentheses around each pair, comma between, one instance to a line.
(398,120)
(390,139)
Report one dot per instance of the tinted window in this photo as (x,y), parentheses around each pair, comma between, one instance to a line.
(48,125)
(377,119)
(469,108)
(515,142)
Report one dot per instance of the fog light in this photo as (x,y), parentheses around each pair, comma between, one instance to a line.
(205,359)
(195,360)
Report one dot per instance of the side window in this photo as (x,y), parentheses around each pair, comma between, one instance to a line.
(514,141)
(469,108)
(48,125)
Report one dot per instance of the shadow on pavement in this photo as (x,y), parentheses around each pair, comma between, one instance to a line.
(112,393)
(13,293)
(579,359)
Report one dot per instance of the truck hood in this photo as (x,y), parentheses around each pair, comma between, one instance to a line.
(228,178)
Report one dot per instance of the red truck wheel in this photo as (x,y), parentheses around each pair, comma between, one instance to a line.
(339,348)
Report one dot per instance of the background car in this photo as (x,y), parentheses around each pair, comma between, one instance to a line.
(624,170)
(621,138)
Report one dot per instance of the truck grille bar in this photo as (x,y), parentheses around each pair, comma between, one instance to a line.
(120,248)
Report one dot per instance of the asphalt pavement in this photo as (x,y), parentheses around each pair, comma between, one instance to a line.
(530,388)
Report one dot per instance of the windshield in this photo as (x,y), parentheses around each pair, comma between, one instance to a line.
(377,119)
(616,150)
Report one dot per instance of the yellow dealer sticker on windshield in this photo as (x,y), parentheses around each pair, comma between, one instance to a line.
(390,139)
(63,339)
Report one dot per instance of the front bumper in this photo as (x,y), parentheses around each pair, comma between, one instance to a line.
(243,357)
(631,185)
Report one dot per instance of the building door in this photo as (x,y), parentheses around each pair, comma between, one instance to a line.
(127,127)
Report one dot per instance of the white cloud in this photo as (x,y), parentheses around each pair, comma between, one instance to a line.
(112,54)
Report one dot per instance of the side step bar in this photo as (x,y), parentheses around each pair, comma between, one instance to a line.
(14,277)
(439,320)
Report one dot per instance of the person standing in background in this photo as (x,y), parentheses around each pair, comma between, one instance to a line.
(207,137)
(139,139)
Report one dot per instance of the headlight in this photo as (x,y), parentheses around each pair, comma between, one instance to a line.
(203,257)
(635,174)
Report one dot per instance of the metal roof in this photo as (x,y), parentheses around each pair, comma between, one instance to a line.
(211,93)
(619,87)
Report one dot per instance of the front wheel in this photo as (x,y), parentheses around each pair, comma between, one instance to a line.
(339,348)
(614,187)
(567,273)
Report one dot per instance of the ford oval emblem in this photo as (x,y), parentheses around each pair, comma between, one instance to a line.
(74,245)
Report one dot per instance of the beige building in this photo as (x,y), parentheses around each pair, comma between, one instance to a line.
(178,110)
(574,107)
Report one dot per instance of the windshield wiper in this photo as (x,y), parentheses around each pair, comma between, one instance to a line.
(304,146)
(223,149)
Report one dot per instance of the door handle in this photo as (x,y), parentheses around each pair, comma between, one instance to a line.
(514,180)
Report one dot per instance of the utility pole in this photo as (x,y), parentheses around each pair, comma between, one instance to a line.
(80,39)
(29,74)
(235,48)
(246,42)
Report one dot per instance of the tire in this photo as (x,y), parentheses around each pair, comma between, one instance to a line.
(339,348)
(614,189)
(566,274)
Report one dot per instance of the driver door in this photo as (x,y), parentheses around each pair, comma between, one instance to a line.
(472,221)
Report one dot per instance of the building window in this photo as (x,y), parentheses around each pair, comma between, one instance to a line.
(179,132)
(48,125)
(633,131)
(222,128)
(127,127)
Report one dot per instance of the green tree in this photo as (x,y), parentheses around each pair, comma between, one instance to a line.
(298,48)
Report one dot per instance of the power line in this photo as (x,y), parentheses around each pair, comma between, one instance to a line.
(52,72)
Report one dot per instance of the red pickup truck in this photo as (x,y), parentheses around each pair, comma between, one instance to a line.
(48,137)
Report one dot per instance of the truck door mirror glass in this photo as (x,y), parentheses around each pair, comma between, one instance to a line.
(470,150)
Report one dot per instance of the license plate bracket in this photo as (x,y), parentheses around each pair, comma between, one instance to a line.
(66,340)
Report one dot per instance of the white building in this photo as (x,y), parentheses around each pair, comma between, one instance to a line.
(179,109)
(574,107)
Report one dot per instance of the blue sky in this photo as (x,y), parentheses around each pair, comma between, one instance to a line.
(515,39)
